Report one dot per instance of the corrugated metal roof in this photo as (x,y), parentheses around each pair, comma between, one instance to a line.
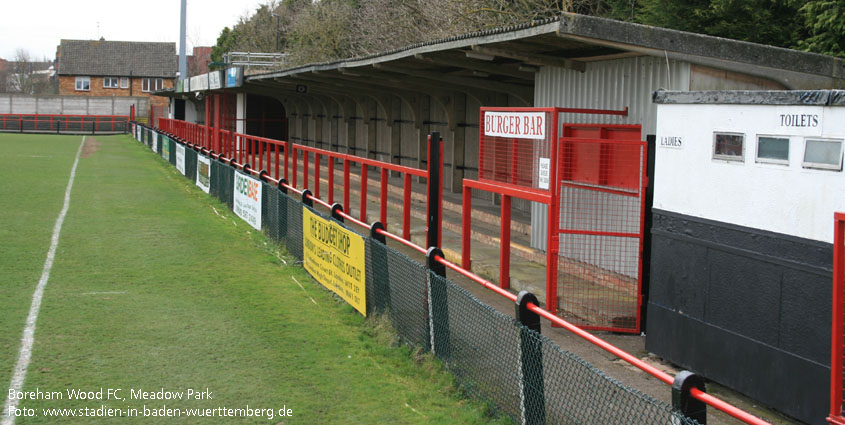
(117,58)
(484,33)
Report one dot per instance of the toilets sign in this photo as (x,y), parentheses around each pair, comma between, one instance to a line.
(518,125)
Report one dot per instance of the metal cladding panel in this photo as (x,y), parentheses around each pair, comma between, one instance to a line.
(613,84)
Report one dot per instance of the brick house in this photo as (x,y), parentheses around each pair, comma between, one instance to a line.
(116,68)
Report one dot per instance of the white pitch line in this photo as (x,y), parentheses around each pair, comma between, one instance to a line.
(29,331)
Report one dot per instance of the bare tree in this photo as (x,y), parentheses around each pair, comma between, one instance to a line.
(27,76)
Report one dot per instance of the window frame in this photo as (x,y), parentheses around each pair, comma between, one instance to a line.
(159,84)
(821,165)
(124,80)
(728,158)
(108,80)
(760,160)
(84,80)
(145,85)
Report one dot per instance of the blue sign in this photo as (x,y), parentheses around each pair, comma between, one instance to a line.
(234,77)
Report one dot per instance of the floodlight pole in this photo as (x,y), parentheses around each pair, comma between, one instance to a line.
(276,15)
(183,60)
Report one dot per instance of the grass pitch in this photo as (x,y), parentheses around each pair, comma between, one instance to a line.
(156,286)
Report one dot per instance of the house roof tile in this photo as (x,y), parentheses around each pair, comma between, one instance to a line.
(117,58)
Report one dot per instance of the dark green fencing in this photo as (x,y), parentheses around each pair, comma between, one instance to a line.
(520,372)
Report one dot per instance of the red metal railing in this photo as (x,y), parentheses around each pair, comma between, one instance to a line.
(838,324)
(63,123)
(292,162)
(555,320)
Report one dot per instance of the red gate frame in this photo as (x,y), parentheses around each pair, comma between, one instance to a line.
(549,197)
(620,136)
(836,338)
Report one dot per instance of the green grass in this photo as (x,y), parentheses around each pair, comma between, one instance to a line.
(33,179)
(157,285)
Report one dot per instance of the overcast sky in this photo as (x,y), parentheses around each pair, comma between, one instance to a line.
(37,26)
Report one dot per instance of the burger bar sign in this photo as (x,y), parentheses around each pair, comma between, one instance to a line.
(518,125)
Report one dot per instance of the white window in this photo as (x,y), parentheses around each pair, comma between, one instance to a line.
(124,82)
(824,154)
(773,150)
(152,84)
(110,82)
(729,146)
(83,83)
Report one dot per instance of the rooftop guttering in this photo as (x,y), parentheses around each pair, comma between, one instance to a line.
(753,97)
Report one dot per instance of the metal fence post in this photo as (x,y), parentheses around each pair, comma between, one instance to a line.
(378,255)
(435,189)
(306,198)
(683,402)
(438,305)
(531,389)
(336,210)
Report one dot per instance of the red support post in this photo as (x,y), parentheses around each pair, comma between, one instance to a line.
(287,148)
(305,169)
(466,228)
(276,148)
(406,208)
(383,202)
(364,170)
(552,232)
(346,206)
(331,180)
(253,150)
(316,174)
(293,161)
(216,129)
(505,244)
(838,308)
(209,101)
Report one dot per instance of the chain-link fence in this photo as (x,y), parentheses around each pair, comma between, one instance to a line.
(518,371)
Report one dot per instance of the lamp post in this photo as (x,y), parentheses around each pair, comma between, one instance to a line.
(276,15)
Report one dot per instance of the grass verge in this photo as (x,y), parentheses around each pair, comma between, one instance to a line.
(158,286)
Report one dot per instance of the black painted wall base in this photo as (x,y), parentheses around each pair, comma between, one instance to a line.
(747,308)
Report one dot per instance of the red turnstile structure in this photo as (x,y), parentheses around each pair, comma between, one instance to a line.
(591,180)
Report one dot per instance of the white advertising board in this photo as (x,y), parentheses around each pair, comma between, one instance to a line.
(204,173)
(180,158)
(247,203)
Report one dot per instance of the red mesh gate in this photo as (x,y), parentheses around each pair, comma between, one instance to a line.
(600,228)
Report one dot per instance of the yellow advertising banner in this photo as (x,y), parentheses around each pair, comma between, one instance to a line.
(335,257)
